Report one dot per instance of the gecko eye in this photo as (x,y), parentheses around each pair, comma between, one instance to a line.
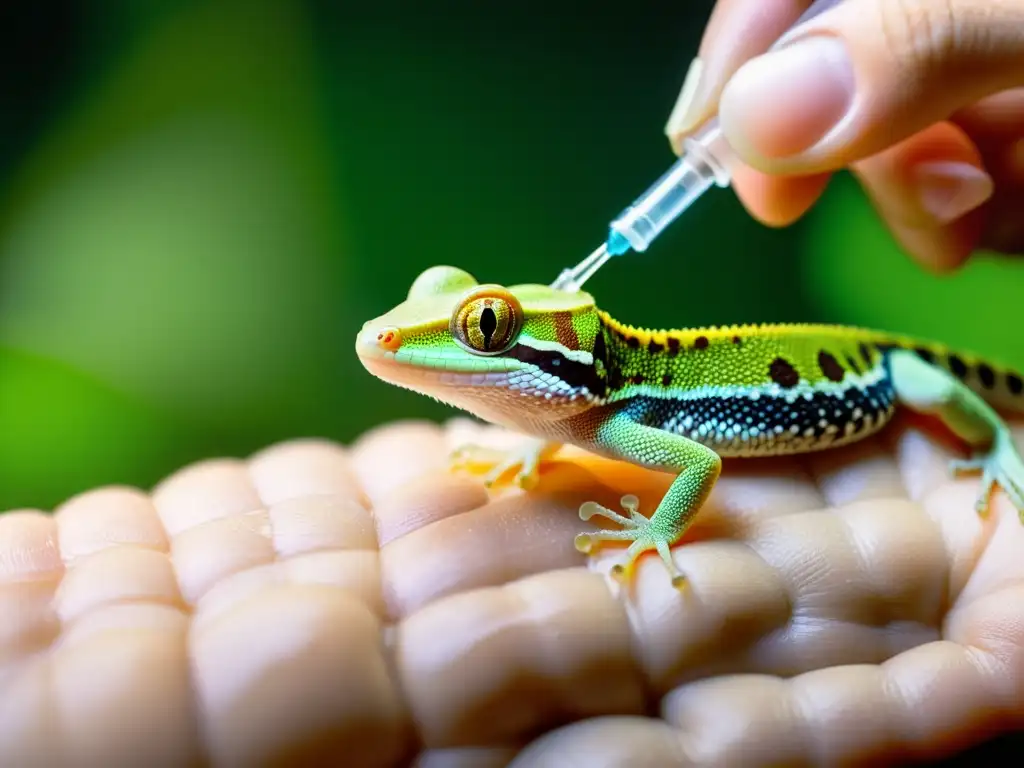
(486,321)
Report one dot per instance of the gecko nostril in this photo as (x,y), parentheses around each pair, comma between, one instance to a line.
(389,339)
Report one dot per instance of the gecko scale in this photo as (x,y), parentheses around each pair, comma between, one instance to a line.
(550,364)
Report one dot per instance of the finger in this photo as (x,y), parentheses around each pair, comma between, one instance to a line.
(443,534)
(606,742)
(777,200)
(737,31)
(866,74)
(462,660)
(280,551)
(1004,231)
(998,118)
(996,125)
(927,702)
(926,189)
(387,457)
(96,632)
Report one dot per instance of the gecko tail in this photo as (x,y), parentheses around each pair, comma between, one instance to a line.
(999,385)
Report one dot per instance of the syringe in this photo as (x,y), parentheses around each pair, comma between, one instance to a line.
(706,160)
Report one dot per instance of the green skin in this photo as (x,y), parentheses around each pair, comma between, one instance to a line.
(561,371)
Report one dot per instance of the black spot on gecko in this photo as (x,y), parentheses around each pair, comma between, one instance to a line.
(654,347)
(666,380)
(830,367)
(987,376)
(865,353)
(1014,383)
(633,342)
(600,349)
(853,365)
(636,378)
(925,354)
(673,347)
(958,367)
(783,373)
(615,380)
(701,342)
(737,340)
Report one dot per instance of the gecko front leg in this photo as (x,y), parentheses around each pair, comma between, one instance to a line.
(525,459)
(697,468)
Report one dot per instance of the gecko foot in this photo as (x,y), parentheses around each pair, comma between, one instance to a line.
(495,464)
(1001,465)
(644,534)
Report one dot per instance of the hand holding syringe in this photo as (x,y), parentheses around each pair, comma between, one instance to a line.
(706,160)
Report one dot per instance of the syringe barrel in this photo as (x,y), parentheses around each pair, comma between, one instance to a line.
(705,161)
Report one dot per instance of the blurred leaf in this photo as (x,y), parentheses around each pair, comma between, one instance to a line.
(53,416)
(175,235)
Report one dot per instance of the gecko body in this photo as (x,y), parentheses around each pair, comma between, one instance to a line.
(552,365)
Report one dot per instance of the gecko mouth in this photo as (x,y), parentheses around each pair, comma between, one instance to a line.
(525,371)
(421,370)
(385,366)
(503,397)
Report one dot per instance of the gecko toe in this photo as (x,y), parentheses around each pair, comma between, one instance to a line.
(591,509)
(519,465)
(621,573)
(527,480)
(584,543)
(959,467)
(1000,467)
(642,535)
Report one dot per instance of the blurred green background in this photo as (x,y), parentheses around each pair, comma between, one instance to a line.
(202,202)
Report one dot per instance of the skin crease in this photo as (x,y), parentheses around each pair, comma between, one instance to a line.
(939,82)
(318,602)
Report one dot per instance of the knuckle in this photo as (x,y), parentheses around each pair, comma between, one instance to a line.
(921,33)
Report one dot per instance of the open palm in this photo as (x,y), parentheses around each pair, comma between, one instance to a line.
(366,606)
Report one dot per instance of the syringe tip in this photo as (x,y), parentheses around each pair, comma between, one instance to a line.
(617,243)
(564,281)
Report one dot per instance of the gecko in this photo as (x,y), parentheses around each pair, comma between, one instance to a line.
(551,365)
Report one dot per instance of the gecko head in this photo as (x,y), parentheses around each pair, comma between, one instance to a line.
(514,356)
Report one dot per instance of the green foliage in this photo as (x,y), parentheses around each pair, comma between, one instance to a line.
(64,432)
(224,192)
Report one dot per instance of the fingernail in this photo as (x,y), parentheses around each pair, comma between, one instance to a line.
(786,101)
(688,109)
(948,190)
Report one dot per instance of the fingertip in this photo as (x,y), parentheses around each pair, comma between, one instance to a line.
(941,251)
(931,191)
(777,201)
(737,30)
(690,109)
(946,190)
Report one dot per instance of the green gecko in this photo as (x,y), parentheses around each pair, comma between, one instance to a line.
(550,364)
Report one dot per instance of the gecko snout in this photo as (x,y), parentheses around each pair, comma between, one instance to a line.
(380,338)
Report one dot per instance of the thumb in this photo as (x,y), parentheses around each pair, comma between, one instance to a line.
(867,74)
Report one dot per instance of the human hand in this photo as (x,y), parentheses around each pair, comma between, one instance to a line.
(363,606)
(922,100)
